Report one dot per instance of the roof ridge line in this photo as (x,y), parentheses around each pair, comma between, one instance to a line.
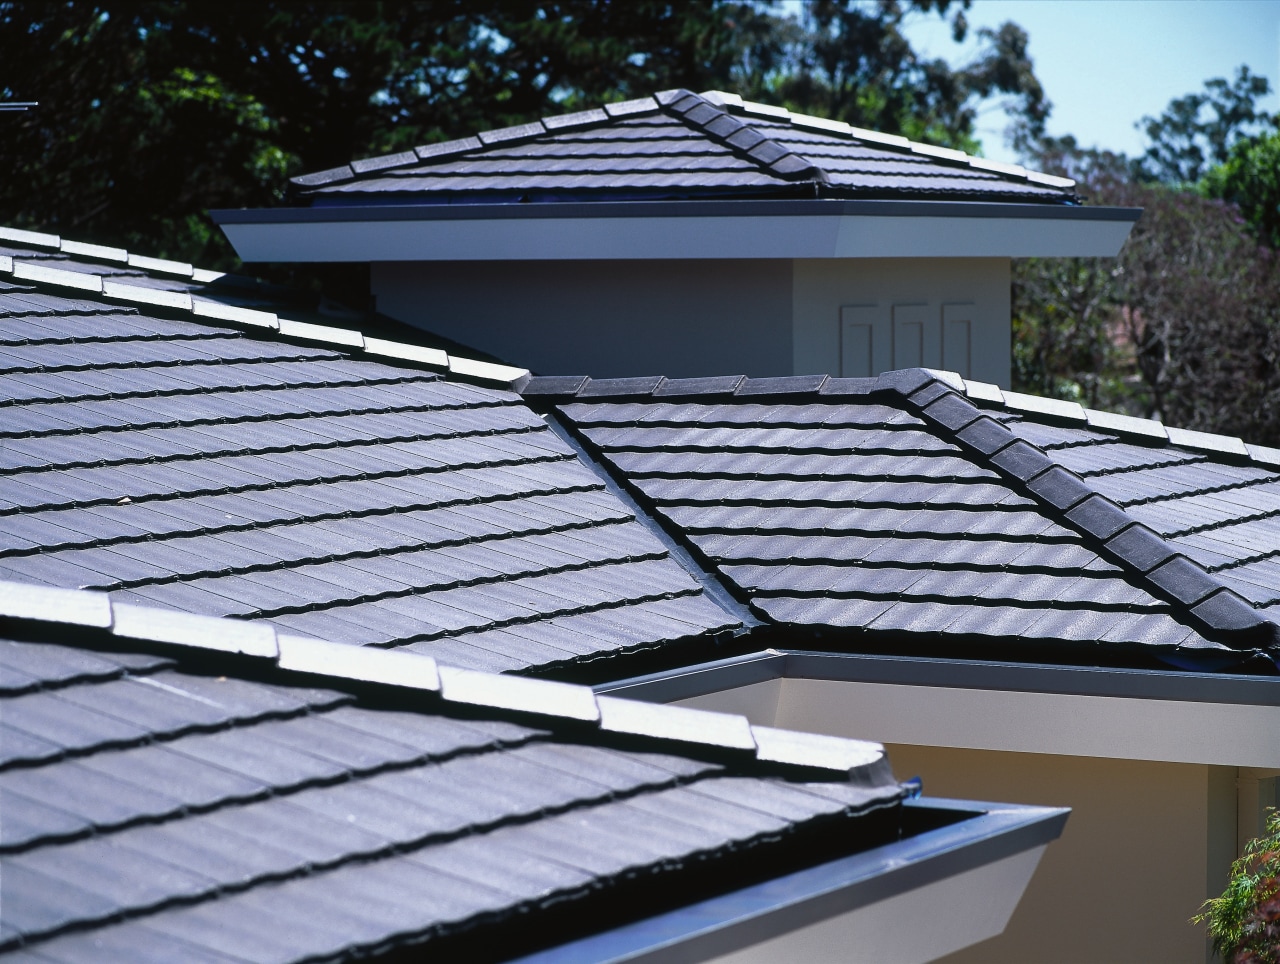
(252,319)
(1151,431)
(718,124)
(943,400)
(442,150)
(1148,557)
(893,142)
(570,704)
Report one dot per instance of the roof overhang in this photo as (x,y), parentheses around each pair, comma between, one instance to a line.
(1113,713)
(969,873)
(652,230)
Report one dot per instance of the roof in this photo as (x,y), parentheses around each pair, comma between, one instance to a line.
(678,144)
(916,512)
(191,788)
(166,445)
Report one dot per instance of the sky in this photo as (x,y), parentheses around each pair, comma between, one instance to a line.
(1106,63)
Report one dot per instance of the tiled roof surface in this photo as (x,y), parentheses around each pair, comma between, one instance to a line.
(679,144)
(215,467)
(165,800)
(894,506)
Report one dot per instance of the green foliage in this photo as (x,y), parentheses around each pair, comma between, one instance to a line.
(1244,923)
(1184,325)
(1198,130)
(1250,179)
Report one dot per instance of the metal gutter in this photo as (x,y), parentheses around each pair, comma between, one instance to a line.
(722,925)
(1145,684)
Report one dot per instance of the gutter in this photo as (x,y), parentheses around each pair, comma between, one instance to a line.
(981,835)
(661,230)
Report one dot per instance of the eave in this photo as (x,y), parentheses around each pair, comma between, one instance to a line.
(864,907)
(652,230)
(1106,712)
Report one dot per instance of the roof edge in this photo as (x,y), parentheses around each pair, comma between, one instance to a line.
(942,400)
(489,374)
(550,702)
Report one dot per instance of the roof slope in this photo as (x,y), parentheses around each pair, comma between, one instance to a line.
(680,144)
(166,799)
(895,509)
(219,460)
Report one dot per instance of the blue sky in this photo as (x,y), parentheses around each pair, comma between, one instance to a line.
(1106,63)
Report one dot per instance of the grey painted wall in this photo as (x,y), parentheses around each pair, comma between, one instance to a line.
(603,318)
(848,316)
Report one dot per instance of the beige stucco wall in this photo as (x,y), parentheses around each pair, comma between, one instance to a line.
(1147,841)
(911,311)
(1145,844)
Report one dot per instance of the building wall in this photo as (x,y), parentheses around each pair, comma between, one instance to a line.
(861,317)
(1147,840)
(603,318)
(716,317)
(1142,849)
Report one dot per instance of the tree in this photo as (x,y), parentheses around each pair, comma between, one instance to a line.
(1244,923)
(1250,179)
(1198,130)
(1184,325)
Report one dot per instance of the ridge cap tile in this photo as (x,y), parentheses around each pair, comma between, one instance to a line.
(1264,454)
(460,145)
(362,663)
(1099,517)
(706,385)
(985,435)
(518,693)
(554,385)
(950,410)
(1125,424)
(932,391)
(1060,487)
(382,162)
(847,386)
(81,281)
(950,378)
(1039,405)
(677,723)
(782,385)
(189,629)
(1227,612)
(904,381)
(80,607)
(1022,460)
(798,748)
(629,387)
(633,107)
(1206,441)
(505,135)
(1185,580)
(33,239)
(1140,548)
(82,249)
(331,175)
(576,120)
(984,391)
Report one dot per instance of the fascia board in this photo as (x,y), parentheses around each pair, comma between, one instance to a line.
(973,871)
(323,235)
(1172,717)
